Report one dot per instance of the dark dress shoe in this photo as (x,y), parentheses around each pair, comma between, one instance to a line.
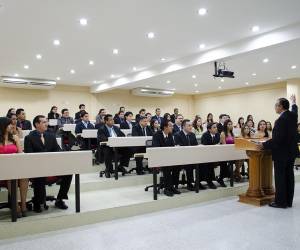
(275,205)
(140,172)
(107,174)
(201,187)
(211,185)
(190,187)
(37,208)
(221,182)
(175,191)
(122,169)
(168,192)
(61,205)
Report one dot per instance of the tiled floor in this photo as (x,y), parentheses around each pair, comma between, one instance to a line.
(223,224)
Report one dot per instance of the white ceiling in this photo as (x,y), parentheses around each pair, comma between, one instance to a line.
(29,28)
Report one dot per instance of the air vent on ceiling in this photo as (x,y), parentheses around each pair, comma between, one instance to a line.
(16,82)
(152,92)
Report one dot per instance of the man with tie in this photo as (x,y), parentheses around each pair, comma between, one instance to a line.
(187,138)
(141,129)
(138,116)
(106,131)
(284,147)
(178,122)
(212,137)
(127,123)
(157,115)
(164,138)
(222,119)
(84,124)
(40,141)
(77,115)
(22,122)
(119,118)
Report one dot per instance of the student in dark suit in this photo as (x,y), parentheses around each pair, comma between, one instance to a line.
(220,125)
(40,141)
(77,115)
(187,138)
(84,124)
(284,149)
(141,113)
(157,115)
(178,122)
(55,116)
(127,123)
(119,118)
(164,138)
(173,116)
(22,122)
(212,137)
(109,130)
(141,129)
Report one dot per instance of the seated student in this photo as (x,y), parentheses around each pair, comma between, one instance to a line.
(173,116)
(84,124)
(209,119)
(141,129)
(269,128)
(245,132)
(41,141)
(167,117)
(106,131)
(149,118)
(53,115)
(155,126)
(240,123)
(11,111)
(220,125)
(22,122)
(77,115)
(198,127)
(177,126)
(250,124)
(14,129)
(10,144)
(100,117)
(262,131)
(127,123)
(141,113)
(212,137)
(157,115)
(164,138)
(187,138)
(65,118)
(119,118)
(122,109)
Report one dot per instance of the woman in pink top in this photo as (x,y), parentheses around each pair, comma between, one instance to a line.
(10,144)
(227,137)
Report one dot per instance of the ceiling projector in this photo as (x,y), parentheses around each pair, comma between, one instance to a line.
(222,71)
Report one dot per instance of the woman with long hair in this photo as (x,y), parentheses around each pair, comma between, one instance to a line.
(262,131)
(241,122)
(11,111)
(198,127)
(10,144)
(53,115)
(245,132)
(154,125)
(269,128)
(15,130)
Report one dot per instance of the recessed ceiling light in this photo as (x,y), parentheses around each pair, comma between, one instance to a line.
(83,21)
(255,28)
(150,35)
(91,62)
(266,60)
(202,11)
(72,71)
(134,69)
(197,91)
(26,67)
(247,83)
(253,74)
(38,56)
(278,78)
(194,76)
(112,76)
(168,81)
(222,80)
(16,75)
(294,67)
(56,42)
(163,59)
(219,87)
(202,46)
(115,51)
(196,84)
(58,78)
(172,89)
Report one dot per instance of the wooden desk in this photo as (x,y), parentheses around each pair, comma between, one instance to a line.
(120,142)
(31,165)
(261,190)
(186,155)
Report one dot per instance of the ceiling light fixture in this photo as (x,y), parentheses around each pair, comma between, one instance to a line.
(16,75)
(197,91)
(91,62)
(56,42)
(247,83)
(294,67)
(38,56)
(26,67)
(194,76)
(150,35)
(253,74)
(58,78)
(202,11)
(266,60)
(168,81)
(255,28)
(196,84)
(222,80)
(83,22)
(278,78)
(134,69)
(219,87)
(112,76)
(72,71)
(202,46)
(163,59)
(115,51)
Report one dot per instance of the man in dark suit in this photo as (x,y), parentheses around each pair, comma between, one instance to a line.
(173,117)
(220,125)
(157,115)
(141,129)
(127,123)
(77,115)
(164,138)
(178,124)
(187,138)
(109,130)
(22,122)
(40,141)
(84,124)
(119,118)
(212,137)
(141,113)
(284,149)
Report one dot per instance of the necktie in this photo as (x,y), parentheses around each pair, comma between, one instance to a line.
(188,139)
(213,139)
(145,133)
(43,139)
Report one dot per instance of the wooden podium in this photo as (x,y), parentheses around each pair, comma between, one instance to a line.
(260,191)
